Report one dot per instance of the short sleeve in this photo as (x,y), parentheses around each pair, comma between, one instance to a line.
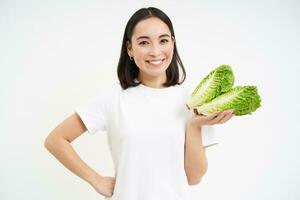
(209,137)
(93,113)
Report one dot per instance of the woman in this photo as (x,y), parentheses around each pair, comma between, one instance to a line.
(156,143)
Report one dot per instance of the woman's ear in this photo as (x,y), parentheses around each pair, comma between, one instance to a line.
(129,48)
(173,40)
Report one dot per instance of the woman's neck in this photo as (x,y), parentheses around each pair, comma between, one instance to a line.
(154,82)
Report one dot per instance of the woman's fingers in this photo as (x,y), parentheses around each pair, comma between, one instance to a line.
(218,118)
(226,118)
(212,116)
(222,117)
(215,118)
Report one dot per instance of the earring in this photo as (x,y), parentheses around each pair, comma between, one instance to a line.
(130,58)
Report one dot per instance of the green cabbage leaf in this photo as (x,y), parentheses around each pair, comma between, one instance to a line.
(241,99)
(215,83)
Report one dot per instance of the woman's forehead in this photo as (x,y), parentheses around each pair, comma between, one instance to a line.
(152,28)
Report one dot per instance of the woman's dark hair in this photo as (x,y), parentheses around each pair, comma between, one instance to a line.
(127,69)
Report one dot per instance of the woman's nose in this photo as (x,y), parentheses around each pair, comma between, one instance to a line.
(155,50)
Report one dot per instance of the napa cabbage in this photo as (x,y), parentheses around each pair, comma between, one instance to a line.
(241,99)
(215,83)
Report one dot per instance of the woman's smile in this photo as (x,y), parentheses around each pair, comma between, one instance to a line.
(156,63)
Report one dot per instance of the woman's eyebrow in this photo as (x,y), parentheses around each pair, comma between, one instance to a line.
(147,37)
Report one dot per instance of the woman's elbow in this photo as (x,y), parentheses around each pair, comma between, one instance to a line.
(50,142)
(194,182)
(196,179)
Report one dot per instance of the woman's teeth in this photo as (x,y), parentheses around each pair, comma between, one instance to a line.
(156,62)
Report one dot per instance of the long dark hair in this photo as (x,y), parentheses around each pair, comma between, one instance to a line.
(127,69)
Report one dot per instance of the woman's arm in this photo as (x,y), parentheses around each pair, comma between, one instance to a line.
(58,143)
(195,161)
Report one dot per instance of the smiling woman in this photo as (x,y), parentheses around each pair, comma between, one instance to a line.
(152,50)
(157,147)
(149,53)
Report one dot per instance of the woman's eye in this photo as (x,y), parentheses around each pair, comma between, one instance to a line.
(143,43)
(164,41)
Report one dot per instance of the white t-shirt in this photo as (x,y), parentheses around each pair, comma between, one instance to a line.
(146,135)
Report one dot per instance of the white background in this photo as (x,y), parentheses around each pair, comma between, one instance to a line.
(55,55)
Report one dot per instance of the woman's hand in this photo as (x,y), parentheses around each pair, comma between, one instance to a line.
(215,118)
(103,185)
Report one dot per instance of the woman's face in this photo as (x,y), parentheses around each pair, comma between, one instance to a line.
(151,48)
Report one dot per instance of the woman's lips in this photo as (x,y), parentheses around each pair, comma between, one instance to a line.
(156,63)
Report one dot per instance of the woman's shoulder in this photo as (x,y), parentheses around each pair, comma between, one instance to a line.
(107,92)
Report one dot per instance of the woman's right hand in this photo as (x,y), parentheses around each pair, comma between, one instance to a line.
(214,118)
(104,185)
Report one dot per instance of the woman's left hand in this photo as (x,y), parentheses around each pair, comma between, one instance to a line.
(215,118)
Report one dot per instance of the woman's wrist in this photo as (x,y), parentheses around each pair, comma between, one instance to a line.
(193,128)
(91,179)
(192,124)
